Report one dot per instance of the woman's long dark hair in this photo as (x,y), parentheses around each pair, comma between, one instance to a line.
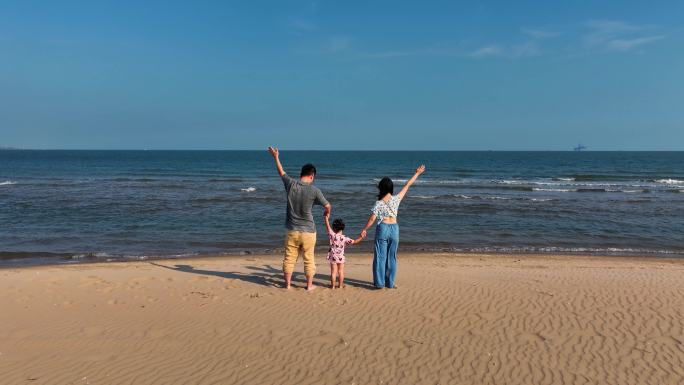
(386,186)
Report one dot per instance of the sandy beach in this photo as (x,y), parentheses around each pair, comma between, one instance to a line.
(454,319)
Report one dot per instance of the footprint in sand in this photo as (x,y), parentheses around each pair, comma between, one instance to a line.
(532,338)
(329,338)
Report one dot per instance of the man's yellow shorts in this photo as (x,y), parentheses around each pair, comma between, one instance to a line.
(296,243)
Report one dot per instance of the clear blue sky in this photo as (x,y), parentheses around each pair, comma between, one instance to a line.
(450,75)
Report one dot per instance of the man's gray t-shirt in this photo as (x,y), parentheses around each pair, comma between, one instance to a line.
(300,198)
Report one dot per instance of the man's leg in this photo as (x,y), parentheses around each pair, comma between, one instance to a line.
(308,247)
(292,242)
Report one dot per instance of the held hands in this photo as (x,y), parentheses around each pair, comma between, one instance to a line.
(274,152)
(419,170)
(363,234)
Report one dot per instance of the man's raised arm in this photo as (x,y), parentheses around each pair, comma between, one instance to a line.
(276,156)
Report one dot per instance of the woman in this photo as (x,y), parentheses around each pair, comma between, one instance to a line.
(387,232)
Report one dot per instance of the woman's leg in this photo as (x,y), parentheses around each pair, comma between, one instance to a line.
(380,256)
(340,269)
(333,274)
(392,247)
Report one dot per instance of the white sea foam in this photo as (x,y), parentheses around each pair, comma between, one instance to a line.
(670,181)
(566,179)
(427,181)
(7,183)
(556,249)
(424,196)
(553,189)
(248,189)
(496,198)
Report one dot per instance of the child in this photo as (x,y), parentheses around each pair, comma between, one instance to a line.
(338,241)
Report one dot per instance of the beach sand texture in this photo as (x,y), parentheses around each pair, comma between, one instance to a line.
(455,319)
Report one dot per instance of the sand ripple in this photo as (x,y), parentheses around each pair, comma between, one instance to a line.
(453,320)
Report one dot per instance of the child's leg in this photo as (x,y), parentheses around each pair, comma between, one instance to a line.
(333,274)
(340,268)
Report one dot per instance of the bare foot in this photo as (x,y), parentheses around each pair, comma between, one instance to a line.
(311,288)
(343,286)
(332,287)
(287,287)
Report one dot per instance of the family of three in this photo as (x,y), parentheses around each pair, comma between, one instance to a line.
(300,238)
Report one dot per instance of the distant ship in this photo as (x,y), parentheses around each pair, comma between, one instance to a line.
(580,147)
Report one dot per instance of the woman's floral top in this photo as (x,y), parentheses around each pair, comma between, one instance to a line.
(388,209)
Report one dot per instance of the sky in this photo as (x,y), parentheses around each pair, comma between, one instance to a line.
(342,75)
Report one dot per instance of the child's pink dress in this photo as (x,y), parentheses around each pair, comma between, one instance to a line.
(337,244)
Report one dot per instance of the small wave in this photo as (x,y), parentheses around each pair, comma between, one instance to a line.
(558,249)
(424,196)
(90,256)
(248,189)
(7,183)
(564,179)
(225,180)
(499,198)
(600,177)
(428,182)
(553,189)
(670,181)
(376,180)
(212,199)
(591,190)
(518,188)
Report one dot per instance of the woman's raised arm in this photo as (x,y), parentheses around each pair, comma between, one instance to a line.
(410,182)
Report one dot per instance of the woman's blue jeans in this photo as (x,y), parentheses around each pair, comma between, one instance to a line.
(385,255)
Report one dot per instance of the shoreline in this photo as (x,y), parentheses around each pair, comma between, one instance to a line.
(28,259)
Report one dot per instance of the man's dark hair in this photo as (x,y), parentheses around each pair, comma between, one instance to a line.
(308,170)
(338,225)
(386,186)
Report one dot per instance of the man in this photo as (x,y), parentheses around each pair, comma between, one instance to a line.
(301,229)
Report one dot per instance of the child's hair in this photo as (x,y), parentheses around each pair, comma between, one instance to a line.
(338,225)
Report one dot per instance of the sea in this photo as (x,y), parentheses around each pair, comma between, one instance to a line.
(80,206)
